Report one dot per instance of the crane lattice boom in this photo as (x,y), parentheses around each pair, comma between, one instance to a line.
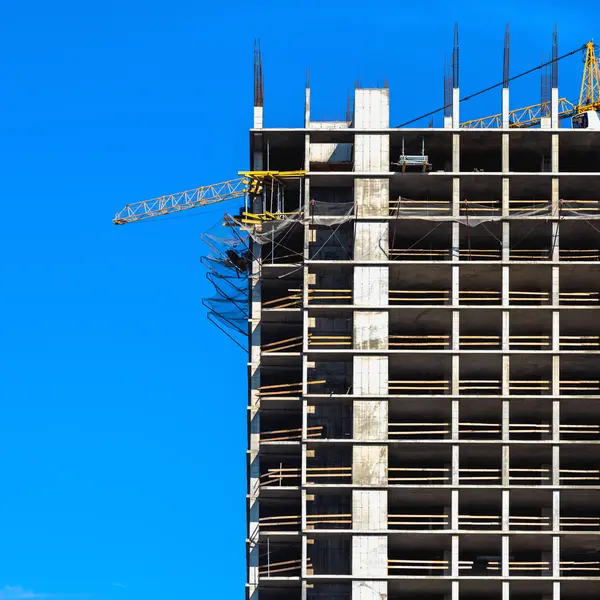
(523,117)
(172,203)
(250,184)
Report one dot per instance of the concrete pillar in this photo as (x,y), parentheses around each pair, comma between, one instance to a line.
(455,108)
(555,465)
(505,345)
(307,107)
(254,336)
(454,556)
(455,590)
(556,590)
(455,154)
(455,466)
(505,153)
(371,332)
(555,556)
(306,326)
(454,510)
(254,426)
(505,107)
(556,510)
(554,107)
(258,118)
(505,556)
(505,510)
(555,199)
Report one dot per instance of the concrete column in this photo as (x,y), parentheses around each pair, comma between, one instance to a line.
(505,510)
(258,119)
(454,509)
(556,466)
(456,108)
(505,344)
(505,330)
(505,107)
(254,336)
(454,556)
(556,421)
(456,152)
(556,510)
(555,313)
(455,374)
(454,590)
(455,296)
(505,543)
(554,107)
(303,465)
(555,199)
(371,332)
(454,425)
(306,326)
(505,196)
(505,466)
(505,298)
(456,197)
(254,426)
(555,556)
(505,556)
(455,465)
(307,108)
(556,590)
(555,257)
(556,544)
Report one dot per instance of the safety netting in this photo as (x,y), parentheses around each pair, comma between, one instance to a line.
(473,214)
(228,263)
(319,213)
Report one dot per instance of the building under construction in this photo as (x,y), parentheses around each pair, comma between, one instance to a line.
(422,312)
(424,340)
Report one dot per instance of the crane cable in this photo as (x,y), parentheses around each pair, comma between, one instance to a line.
(492,87)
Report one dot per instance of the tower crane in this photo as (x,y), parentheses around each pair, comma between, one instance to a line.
(584,114)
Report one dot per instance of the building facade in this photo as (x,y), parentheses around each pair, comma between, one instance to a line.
(424,382)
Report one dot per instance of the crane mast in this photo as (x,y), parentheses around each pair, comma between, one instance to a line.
(589,97)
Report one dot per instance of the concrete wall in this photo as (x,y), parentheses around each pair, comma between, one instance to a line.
(371,331)
(329,153)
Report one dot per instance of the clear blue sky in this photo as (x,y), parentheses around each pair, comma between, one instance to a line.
(123,411)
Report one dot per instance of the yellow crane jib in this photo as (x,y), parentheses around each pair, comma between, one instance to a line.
(522,117)
(173,203)
(249,184)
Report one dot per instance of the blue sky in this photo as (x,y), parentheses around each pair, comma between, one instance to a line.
(123,411)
